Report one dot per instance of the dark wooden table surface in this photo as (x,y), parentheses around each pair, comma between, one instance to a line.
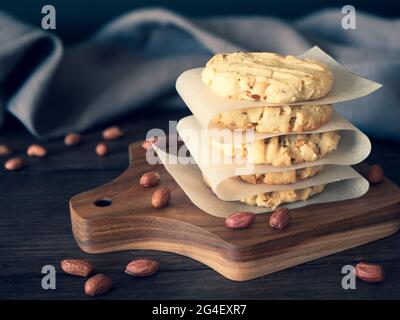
(35,231)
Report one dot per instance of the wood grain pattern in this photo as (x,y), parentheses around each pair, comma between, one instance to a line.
(35,230)
(315,231)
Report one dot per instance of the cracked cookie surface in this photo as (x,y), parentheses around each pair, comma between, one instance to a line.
(266,76)
(274,199)
(284,150)
(285,177)
(282,119)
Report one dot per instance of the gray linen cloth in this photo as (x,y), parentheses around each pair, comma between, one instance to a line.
(134,61)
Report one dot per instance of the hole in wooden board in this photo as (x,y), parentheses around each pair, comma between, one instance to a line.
(103,202)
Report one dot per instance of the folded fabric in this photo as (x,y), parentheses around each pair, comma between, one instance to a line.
(134,62)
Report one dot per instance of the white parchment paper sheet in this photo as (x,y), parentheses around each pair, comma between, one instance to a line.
(354,147)
(189,178)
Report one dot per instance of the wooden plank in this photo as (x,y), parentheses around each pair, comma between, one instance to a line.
(131,223)
(35,230)
(322,281)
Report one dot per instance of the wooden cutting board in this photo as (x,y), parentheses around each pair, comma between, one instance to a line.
(119,216)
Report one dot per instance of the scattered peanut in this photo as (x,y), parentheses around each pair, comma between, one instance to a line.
(14,164)
(369,272)
(375,174)
(77,267)
(36,150)
(113,133)
(101,149)
(146,145)
(280,219)
(150,179)
(142,267)
(240,220)
(161,197)
(5,150)
(72,139)
(97,285)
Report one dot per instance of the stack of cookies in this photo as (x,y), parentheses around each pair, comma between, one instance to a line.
(285,102)
(281,80)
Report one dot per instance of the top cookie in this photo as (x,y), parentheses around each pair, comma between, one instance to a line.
(266,76)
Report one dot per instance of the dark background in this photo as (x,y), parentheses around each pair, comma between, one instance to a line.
(78,19)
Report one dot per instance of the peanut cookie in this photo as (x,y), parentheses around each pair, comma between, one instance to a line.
(266,76)
(282,119)
(285,150)
(285,177)
(276,198)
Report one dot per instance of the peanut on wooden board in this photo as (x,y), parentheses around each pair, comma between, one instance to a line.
(142,267)
(146,145)
(14,164)
(77,267)
(375,174)
(280,219)
(36,150)
(101,149)
(5,150)
(73,139)
(149,179)
(240,220)
(369,272)
(161,197)
(98,284)
(113,133)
